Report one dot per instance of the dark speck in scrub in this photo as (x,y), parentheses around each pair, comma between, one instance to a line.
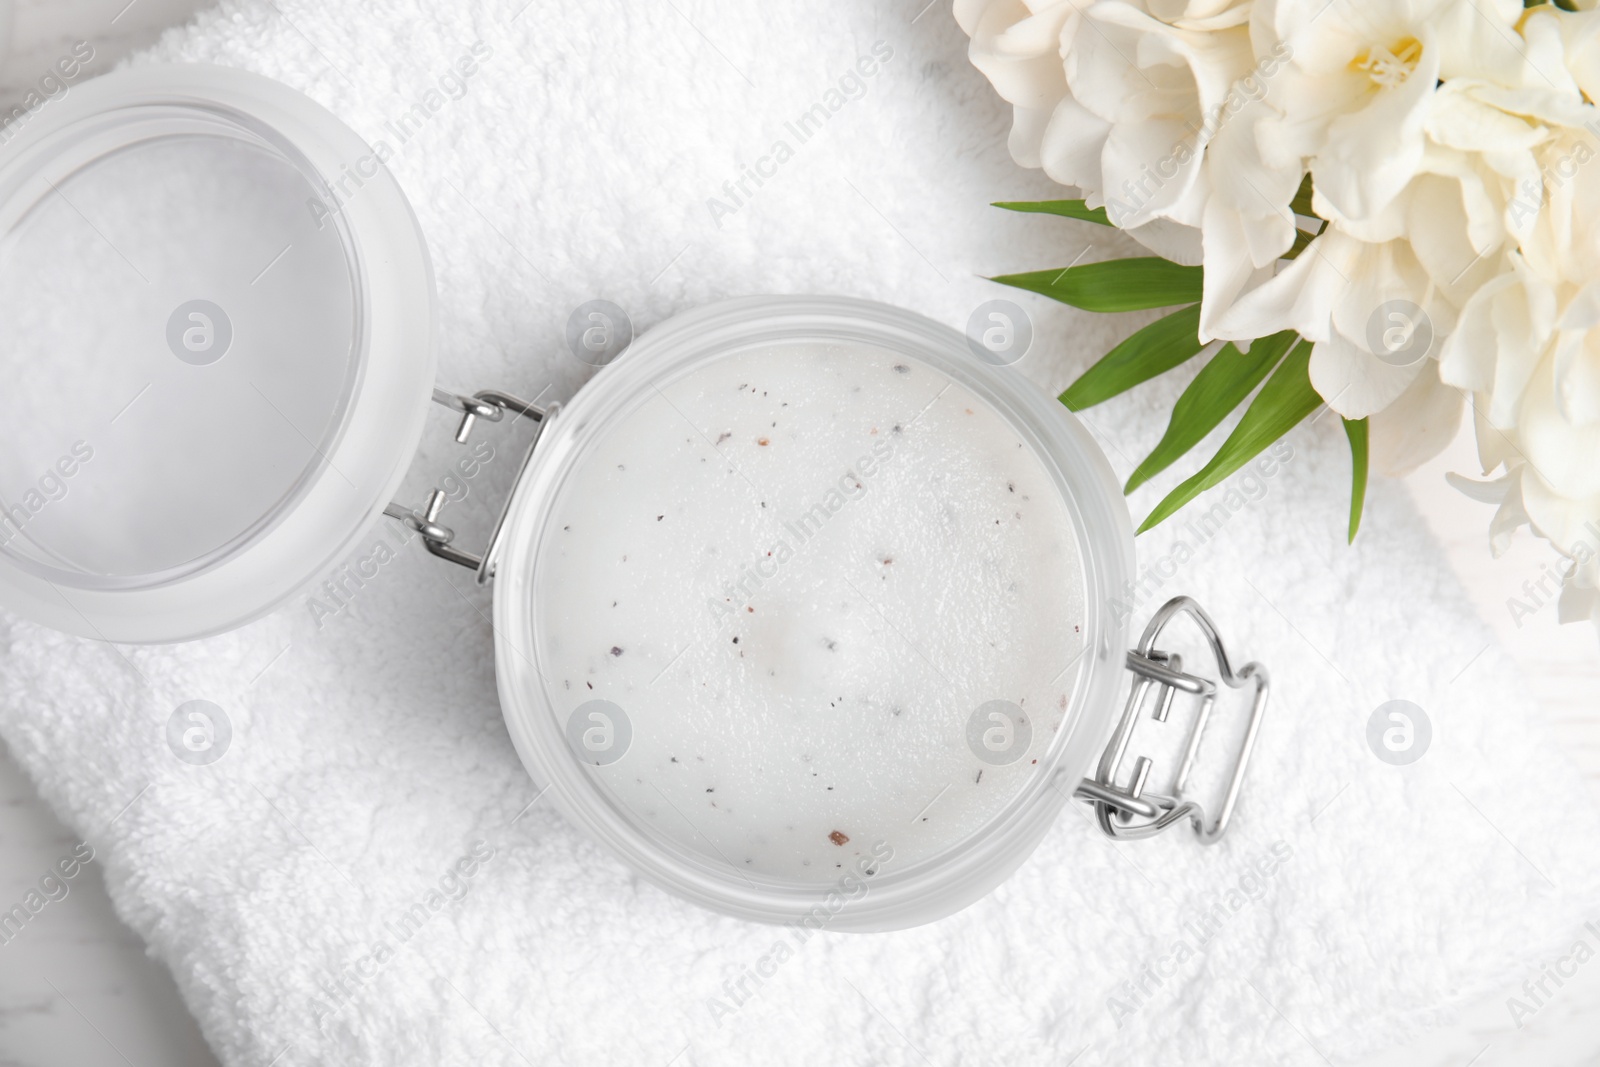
(615,651)
(901,368)
(723,436)
(660,517)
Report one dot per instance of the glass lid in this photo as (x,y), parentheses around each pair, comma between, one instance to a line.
(216,361)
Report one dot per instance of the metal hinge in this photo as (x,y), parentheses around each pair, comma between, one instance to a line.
(491,406)
(1118,806)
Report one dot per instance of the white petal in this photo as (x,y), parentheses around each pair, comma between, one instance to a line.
(1562,454)
(1467,357)
(1071,146)
(1577,358)
(1571,524)
(1419,425)
(1353,381)
(1484,492)
(1300,297)
(1511,515)
(1170,240)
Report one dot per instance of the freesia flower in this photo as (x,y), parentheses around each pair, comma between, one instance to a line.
(1456,253)
(1529,350)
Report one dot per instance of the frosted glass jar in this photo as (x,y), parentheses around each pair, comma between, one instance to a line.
(803,609)
(785,745)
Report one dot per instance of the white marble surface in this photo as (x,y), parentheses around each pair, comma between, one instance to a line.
(76,986)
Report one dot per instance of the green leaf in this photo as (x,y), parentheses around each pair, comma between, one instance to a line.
(1220,387)
(1302,240)
(1357,432)
(1286,399)
(1154,350)
(1136,284)
(1301,204)
(1070,209)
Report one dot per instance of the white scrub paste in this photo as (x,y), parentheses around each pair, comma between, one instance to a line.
(801,572)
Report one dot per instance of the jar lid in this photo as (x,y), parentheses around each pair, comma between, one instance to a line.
(218,350)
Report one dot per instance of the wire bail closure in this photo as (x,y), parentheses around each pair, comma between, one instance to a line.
(489,405)
(1118,806)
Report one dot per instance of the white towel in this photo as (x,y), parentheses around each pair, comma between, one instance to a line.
(302,888)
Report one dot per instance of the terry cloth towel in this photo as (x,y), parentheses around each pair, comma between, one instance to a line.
(369,877)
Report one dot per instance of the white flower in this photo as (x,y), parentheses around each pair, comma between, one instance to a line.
(1449,143)
(1424,186)
(1534,331)
(1355,96)
(1150,110)
(1181,110)
(1018,48)
(1529,349)
(1024,50)
(1374,312)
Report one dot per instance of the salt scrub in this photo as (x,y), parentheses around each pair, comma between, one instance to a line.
(799,572)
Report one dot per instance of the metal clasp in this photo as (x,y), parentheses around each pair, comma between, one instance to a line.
(1118,806)
(491,406)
